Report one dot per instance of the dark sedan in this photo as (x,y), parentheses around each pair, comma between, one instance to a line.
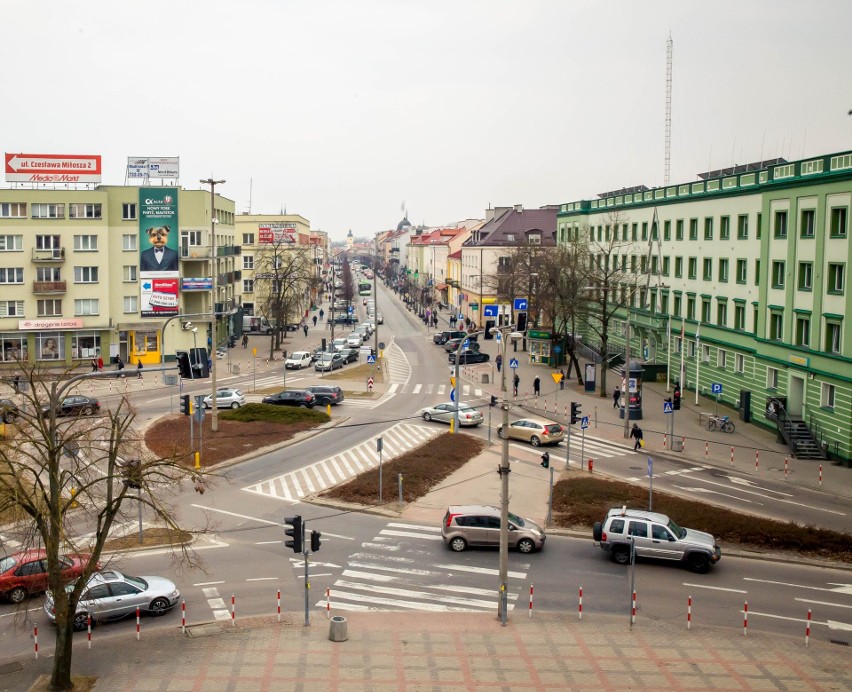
(349,355)
(453,344)
(75,406)
(291,397)
(471,357)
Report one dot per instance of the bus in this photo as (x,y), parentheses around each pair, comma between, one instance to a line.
(365,288)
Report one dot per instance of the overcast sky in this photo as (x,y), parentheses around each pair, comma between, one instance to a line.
(343,111)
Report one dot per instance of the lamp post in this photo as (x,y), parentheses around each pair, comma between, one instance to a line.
(459,349)
(214,417)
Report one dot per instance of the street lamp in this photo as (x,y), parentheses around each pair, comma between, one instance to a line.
(214,417)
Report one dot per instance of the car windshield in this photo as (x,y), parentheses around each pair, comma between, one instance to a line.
(516,520)
(7,563)
(298,355)
(138,582)
(678,531)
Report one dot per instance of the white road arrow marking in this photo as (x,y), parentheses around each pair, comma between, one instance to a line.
(776,499)
(751,484)
(707,491)
(833,605)
(834,625)
(841,588)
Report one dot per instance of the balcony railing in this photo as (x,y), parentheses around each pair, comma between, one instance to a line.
(49,286)
(56,254)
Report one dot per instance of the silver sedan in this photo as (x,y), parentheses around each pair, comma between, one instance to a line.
(444,413)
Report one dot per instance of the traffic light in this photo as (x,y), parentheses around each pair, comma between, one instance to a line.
(575,412)
(186,405)
(295,533)
(184,366)
(315,541)
(200,363)
(545,460)
(493,401)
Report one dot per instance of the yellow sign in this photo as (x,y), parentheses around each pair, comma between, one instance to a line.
(453,381)
(557,376)
(254,352)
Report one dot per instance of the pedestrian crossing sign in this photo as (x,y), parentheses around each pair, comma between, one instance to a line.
(667,407)
(557,377)
(584,422)
(513,363)
(371,359)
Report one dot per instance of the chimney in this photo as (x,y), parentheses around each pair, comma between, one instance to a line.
(519,208)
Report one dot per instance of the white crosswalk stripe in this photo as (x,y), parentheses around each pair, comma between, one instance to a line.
(295,485)
(675,472)
(389,574)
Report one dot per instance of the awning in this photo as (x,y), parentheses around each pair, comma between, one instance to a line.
(441,287)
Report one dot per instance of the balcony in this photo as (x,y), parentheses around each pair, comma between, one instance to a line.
(228,250)
(49,287)
(50,256)
(195,252)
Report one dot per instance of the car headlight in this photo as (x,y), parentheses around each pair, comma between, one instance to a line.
(175,594)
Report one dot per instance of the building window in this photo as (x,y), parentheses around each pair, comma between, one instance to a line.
(130,272)
(48,274)
(776,326)
(679,230)
(742,271)
(11,243)
(48,211)
(759,232)
(85,275)
(14,347)
(677,306)
(777,274)
(708,269)
(13,210)
(722,314)
(85,344)
(835,278)
(757,272)
(248,261)
(693,229)
(666,266)
(739,363)
(535,238)
(85,243)
(11,275)
(678,267)
(725,228)
(705,309)
(690,307)
(803,331)
(49,308)
(693,268)
(128,211)
(832,337)
(780,228)
(826,395)
(838,222)
(48,242)
(807,223)
(131,304)
(84,211)
(742,227)
(86,306)
(11,308)
(754,317)
(705,353)
(721,359)
(739,317)
(771,378)
(667,230)
(723,270)
(248,285)
(50,346)
(692,349)
(708,228)
(129,242)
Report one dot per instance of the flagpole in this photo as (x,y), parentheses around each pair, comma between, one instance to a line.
(697,359)
(682,381)
(668,353)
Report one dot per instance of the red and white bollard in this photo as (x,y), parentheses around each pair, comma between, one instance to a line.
(689,612)
(756,462)
(682,444)
(664,440)
(183,617)
(706,450)
(531,599)
(633,610)
(591,465)
(580,605)
(732,456)
(820,475)
(808,629)
(233,610)
(89,630)
(786,461)
(745,619)
(279,605)
(35,639)
(328,602)
(138,623)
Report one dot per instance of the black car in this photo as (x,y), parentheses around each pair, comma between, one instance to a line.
(316,353)
(350,355)
(451,356)
(8,410)
(471,357)
(444,336)
(291,397)
(75,406)
(326,395)
(453,344)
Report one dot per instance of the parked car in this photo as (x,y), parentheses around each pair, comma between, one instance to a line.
(112,595)
(8,410)
(339,344)
(444,336)
(479,525)
(329,362)
(316,353)
(325,395)
(344,319)
(75,406)
(469,357)
(533,430)
(350,355)
(354,340)
(298,360)
(225,398)
(380,318)
(291,397)
(369,326)
(656,536)
(444,413)
(25,573)
(452,345)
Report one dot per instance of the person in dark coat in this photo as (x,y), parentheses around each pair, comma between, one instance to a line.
(636,432)
(499,361)
(515,382)
(616,397)
(537,386)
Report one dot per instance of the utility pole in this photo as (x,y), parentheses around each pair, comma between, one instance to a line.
(214,414)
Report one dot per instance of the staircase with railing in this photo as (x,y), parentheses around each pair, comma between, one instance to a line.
(795,433)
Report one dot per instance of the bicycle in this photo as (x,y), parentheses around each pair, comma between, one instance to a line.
(724,423)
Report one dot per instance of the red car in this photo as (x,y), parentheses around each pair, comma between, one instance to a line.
(24,574)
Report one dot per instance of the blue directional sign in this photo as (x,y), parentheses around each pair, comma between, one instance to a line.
(557,349)
(513,363)
(650,467)
(520,303)
(453,394)
(460,317)
(667,407)
(351,309)
(716,388)
(466,344)
(371,359)
(584,422)
(490,310)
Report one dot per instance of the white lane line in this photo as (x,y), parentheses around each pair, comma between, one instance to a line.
(784,617)
(369,576)
(795,586)
(480,570)
(714,588)
(216,602)
(441,389)
(417,389)
(833,605)
(262,579)
(239,516)
(768,497)
(211,583)
(409,534)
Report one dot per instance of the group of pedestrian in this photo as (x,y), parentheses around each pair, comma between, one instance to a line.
(97,364)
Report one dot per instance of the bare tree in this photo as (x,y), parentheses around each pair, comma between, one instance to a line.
(97,467)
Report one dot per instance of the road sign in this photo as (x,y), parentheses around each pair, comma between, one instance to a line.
(557,349)
(584,422)
(716,388)
(53,168)
(379,444)
(453,381)
(667,407)
(370,384)
(199,413)
(466,344)
(557,376)
(520,303)
(351,310)
(371,359)
(453,394)
(513,363)
(650,467)
(381,345)
(499,337)
(490,310)
(460,317)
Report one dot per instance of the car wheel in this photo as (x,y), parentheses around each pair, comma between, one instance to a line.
(303,406)
(18,594)
(324,402)
(87,411)
(597,531)
(458,544)
(525,545)
(534,441)
(81,622)
(500,433)
(621,555)
(158,606)
(427,417)
(700,564)
(235,404)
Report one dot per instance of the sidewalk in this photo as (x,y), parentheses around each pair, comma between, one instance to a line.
(416,651)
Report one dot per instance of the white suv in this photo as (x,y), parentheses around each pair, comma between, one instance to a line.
(654,535)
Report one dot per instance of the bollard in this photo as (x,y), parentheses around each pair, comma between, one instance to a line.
(633,609)
(89,630)
(233,610)
(591,465)
(531,599)
(35,639)
(689,612)
(756,461)
(328,602)
(183,616)
(328,410)
(820,475)
(732,456)
(279,605)
(808,629)
(785,468)
(706,450)
(664,440)
(138,616)
(580,605)
(682,444)
(745,619)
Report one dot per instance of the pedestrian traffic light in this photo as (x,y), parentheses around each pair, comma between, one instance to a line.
(186,405)
(575,412)
(184,366)
(295,533)
(315,541)
(493,401)
(545,460)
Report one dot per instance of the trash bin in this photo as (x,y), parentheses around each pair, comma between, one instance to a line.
(677,445)
(338,629)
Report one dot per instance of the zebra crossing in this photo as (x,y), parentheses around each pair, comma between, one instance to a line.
(316,477)
(388,573)
(432,389)
(596,447)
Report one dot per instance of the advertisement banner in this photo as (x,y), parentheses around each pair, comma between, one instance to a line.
(158,231)
(198,284)
(159,167)
(276,233)
(159,296)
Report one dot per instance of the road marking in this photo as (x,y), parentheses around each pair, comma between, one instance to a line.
(409,593)
(841,588)
(767,497)
(714,588)
(263,579)
(208,583)
(833,605)
(480,570)
(239,516)
(17,612)
(409,534)
(436,529)
(417,389)
(707,491)
(789,619)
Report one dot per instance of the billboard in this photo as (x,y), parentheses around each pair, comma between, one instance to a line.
(159,258)
(147,167)
(196,284)
(53,168)
(159,296)
(276,233)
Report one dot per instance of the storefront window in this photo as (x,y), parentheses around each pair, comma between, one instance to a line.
(14,347)
(50,346)
(85,345)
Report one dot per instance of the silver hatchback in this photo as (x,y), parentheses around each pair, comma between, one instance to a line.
(479,525)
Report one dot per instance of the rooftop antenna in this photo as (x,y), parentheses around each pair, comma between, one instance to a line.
(669,47)
(251,183)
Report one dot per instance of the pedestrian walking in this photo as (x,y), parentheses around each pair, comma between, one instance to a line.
(16,382)
(94,364)
(499,361)
(616,397)
(245,340)
(561,379)
(139,369)
(434,320)
(537,386)
(322,313)
(305,329)
(100,363)
(119,364)
(515,382)
(315,320)
(677,395)
(636,432)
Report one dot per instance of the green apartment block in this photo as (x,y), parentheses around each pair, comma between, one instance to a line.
(749,264)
